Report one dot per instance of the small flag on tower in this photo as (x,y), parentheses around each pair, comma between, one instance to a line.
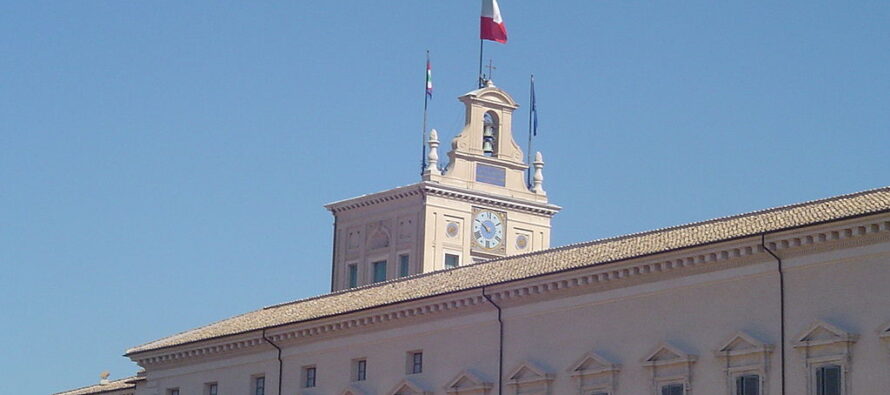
(492,26)
(429,77)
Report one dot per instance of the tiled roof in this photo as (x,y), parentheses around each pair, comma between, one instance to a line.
(113,385)
(538,263)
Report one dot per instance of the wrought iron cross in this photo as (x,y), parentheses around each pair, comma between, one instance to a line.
(491,69)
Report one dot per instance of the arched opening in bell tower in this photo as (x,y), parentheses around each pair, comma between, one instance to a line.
(490,129)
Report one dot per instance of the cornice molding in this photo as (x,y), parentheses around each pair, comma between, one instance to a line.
(375,198)
(436,189)
(489,160)
(529,290)
(478,197)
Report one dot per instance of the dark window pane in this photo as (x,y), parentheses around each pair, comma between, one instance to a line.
(310,377)
(379,271)
(828,380)
(417,360)
(353,276)
(748,385)
(260,386)
(361,370)
(672,389)
(452,261)
(403,265)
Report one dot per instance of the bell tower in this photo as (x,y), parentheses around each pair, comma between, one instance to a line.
(484,156)
(476,208)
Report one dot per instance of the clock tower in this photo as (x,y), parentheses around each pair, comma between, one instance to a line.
(476,208)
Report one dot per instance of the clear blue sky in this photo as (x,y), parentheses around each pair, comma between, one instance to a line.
(164,164)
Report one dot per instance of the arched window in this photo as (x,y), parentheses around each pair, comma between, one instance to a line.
(490,134)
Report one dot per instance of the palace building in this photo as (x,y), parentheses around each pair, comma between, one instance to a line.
(450,286)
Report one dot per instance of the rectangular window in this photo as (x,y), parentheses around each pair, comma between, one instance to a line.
(379,271)
(173,391)
(361,370)
(672,389)
(259,385)
(309,377)
(747,385)
(828,380)
(353,275)
(452,261)
(211,389)
(403,265)
(416,362)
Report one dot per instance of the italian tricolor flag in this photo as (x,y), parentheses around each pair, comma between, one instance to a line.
(492,25)
(429,77)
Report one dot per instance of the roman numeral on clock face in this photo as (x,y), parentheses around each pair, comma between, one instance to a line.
(488,229)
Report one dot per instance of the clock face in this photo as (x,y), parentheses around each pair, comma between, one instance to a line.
(488,229)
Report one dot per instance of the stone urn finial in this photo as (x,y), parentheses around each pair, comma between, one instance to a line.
(538,178)
(433,156)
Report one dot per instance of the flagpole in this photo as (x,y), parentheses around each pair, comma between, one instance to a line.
(481,80)
(426,99)
(531,109)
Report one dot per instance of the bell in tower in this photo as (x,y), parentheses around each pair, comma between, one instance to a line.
(489,134)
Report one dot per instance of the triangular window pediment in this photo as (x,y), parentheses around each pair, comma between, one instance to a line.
(352,390)
(822,332)
(664,355)
(668,354)
(463,383)
(592,363)
(467,381)
(406,387)
(527,371)
(528,376)
(742,343)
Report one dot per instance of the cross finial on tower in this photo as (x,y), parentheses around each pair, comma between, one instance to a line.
(491,69)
